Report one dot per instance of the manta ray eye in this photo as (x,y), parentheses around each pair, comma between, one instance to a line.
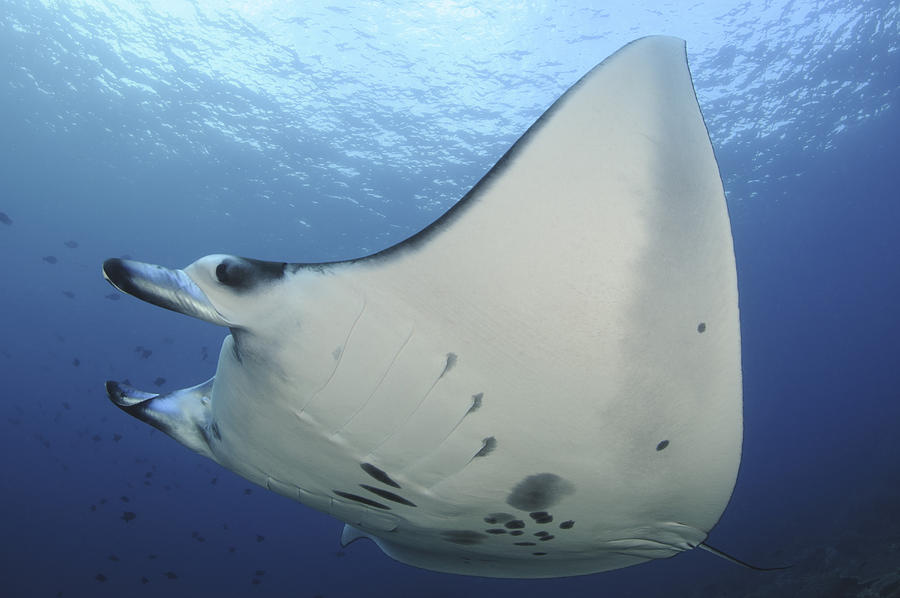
(240,273)
(228,274)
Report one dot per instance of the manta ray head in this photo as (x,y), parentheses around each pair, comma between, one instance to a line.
(221,289)
(226,290)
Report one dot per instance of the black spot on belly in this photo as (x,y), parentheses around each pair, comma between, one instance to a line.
(545,538)
(541,516)
(567,524)
(663,444)
(362,500)
(541,534)
(494,518)
(515,524)
(525,544)
(539,553)
(487,447)
(701,327)
(388,495)
(378,474)
(539,491)
(516,532)
(464,537)
(496,530)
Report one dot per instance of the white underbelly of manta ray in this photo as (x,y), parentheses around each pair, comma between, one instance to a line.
(544,382)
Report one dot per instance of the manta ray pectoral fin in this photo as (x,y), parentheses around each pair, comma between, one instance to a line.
(171,289)
(183,414)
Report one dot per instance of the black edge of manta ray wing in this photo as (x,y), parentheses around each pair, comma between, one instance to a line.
(457,209)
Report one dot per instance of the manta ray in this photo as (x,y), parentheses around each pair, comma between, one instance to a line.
(545,381)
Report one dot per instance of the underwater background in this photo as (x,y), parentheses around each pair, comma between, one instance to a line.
(308,131)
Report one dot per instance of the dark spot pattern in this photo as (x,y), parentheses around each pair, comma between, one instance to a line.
(516,532)
(548,537)
(378,474)
(496,530)
(362,500)
(388,495)
(541,534)
(567,524)
(539,491)
(525,544)
(701,327)
(541,516)
(663,444)
(487,447)
(515,524)
(539,553)
(498,518)
(464,537)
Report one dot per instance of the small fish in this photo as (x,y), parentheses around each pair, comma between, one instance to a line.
(69,294)
(159,381)
(100,577)
(71,244)
(50,259)
(5,219)
(171,575)
(76,362)
(127,516)
(113,296)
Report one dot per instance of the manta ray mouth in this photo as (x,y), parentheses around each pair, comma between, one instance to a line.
(171,289)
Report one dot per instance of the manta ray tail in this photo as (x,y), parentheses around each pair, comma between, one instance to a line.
(737,561)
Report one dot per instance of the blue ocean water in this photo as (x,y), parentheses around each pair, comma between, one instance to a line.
(326,130)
